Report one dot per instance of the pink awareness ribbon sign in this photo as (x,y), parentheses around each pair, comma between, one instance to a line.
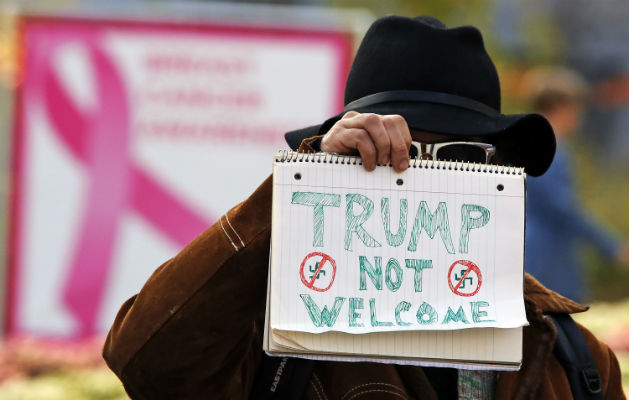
(99,139)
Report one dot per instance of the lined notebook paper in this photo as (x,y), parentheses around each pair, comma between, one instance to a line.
(420,267)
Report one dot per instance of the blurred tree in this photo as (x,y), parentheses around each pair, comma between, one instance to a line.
(451,12)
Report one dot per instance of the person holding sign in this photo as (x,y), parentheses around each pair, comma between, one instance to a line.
(195,329)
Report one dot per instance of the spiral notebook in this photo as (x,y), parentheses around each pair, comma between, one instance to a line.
(422,267)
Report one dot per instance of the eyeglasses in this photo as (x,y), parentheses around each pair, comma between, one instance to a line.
(453,151)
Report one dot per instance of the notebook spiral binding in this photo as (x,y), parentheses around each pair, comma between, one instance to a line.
(286,156)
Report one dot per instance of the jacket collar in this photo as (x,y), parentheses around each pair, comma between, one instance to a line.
(548,301)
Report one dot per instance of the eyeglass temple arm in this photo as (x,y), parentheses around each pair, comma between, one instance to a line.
(419,148)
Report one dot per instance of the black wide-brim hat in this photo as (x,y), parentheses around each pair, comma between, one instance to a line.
(440,80)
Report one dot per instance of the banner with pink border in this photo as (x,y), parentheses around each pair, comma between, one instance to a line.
(131,138)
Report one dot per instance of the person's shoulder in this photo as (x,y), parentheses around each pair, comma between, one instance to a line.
(542,302)
(547,301)
(606,363)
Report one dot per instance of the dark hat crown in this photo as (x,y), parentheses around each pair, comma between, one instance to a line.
(400,53)
(439,80)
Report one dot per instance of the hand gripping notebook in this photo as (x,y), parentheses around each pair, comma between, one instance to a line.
(421,267)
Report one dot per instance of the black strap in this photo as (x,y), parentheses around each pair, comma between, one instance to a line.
(575,356)
(281,378)
(443,381)
(422,96)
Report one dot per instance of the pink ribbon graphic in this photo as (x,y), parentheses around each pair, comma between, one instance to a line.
(100,140)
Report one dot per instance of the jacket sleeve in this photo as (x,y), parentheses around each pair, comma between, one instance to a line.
(195,328)
(607,365)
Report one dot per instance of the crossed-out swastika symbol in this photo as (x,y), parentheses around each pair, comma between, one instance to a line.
(314,269)
(323,263)
(457,281)
(468,278)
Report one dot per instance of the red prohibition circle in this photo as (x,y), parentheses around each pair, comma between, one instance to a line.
(471,267)
(325,258)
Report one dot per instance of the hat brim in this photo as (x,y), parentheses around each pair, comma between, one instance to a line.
(525,140)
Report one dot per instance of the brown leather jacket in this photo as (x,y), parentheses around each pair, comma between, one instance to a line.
(195,329)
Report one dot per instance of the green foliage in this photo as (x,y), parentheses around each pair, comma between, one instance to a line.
(537,28)
(449,11)
(606,280)
(603,190)
(603,187)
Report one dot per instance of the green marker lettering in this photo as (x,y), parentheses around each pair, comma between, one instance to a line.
(373,315)
(397,239)
(393,265)
(322,317)
(354,223)
(469,222)
(375,273)
(426,315)
(431,223)
(455,317)
(418,266)
(477,314)
(318,201)
(354,303)
(402,306)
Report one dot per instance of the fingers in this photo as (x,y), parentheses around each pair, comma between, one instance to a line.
(377,138)
(367,150)
(400,139)
(349,114)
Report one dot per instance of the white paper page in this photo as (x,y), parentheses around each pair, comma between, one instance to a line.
(331,216)
(479,345)
(421,363)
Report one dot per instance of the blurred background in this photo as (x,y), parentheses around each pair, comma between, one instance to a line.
(128,127)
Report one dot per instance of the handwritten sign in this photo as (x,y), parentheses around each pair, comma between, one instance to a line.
(438,247)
